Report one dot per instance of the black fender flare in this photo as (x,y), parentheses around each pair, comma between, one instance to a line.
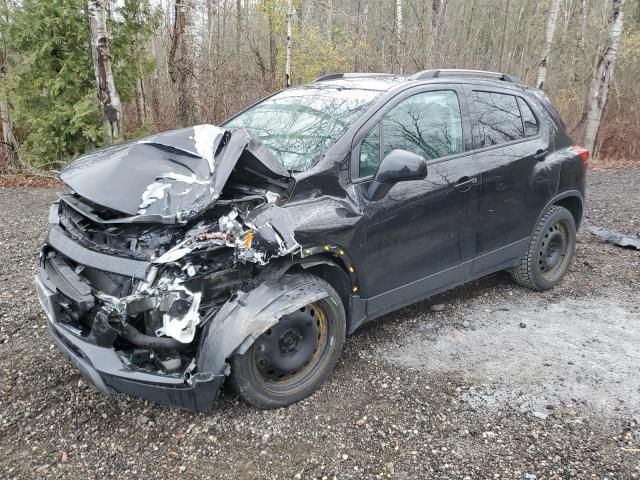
(247,315)
(562,196)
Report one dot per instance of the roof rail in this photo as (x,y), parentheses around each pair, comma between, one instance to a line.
(429,74)
(334,76)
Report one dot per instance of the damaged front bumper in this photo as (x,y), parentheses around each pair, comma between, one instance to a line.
(110,372)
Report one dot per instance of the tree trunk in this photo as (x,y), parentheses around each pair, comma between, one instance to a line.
(9,142)
(107,94)
(273,52)
(399,40)
(329,26)
(552,19)
(181,63)
(287,68)
(360,39)
(399,20)
(238,24)
(602,79)
(141,101)
(436,11)
(581,34)
(503,40)
(467,46)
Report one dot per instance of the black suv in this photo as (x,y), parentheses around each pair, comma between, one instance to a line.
(250,250)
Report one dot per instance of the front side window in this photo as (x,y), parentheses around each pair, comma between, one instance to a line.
(498,119)
(299,124)
(370,152)
(428,124)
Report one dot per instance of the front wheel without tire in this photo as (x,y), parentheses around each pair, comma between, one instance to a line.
(291,360)
(550,252)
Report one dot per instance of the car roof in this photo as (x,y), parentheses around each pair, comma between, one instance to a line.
(385,81)
(363,81)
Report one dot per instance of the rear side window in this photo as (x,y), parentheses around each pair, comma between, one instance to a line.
(528,119)
(498,119)
(428,124)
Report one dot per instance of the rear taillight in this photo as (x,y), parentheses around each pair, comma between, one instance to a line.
(583,153)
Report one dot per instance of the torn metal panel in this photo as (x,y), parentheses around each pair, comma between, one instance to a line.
(616,238)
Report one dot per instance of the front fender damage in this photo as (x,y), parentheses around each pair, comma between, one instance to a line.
(247,315)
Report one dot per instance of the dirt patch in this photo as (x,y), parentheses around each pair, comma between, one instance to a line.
(465,392)
(535,355)
(45,180)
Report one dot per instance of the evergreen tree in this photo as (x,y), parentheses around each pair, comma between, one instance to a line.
(52,80)
(53,84)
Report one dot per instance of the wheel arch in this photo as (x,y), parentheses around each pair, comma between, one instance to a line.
(572,200)
(335,269)
(573,203)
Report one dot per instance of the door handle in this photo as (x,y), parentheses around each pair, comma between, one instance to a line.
(541,155)
(465,184)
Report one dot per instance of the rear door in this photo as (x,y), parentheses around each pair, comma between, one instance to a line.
(416,234)
(510,147)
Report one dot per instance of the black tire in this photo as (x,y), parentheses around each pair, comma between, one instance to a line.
(550,252)
(258,377)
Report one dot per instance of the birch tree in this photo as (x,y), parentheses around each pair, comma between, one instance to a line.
(552,20)
(399,34)
(599,89)
(107,93)
(399,20)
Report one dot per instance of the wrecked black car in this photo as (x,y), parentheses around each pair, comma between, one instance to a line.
(248,251)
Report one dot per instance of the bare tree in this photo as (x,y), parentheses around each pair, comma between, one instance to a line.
(180,62)
(602,79)
(552,19)
(107,93)
(287,68)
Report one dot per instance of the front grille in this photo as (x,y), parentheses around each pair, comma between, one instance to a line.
(135,241)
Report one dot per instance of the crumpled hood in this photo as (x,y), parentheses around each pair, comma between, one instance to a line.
(172,176)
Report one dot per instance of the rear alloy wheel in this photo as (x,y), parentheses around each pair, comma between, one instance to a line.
(550,252)
(291,360)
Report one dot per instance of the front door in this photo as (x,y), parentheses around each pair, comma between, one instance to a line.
(416,233)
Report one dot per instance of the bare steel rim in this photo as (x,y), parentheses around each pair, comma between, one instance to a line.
(294,351)
(555,251)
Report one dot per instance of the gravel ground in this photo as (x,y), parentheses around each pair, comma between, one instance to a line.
(487,381)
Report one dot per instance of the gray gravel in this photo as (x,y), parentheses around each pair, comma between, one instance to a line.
(495,382)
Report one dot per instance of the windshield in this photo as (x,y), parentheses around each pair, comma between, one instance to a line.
(299,124)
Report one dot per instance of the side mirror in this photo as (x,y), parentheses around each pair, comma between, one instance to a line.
(397,166)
